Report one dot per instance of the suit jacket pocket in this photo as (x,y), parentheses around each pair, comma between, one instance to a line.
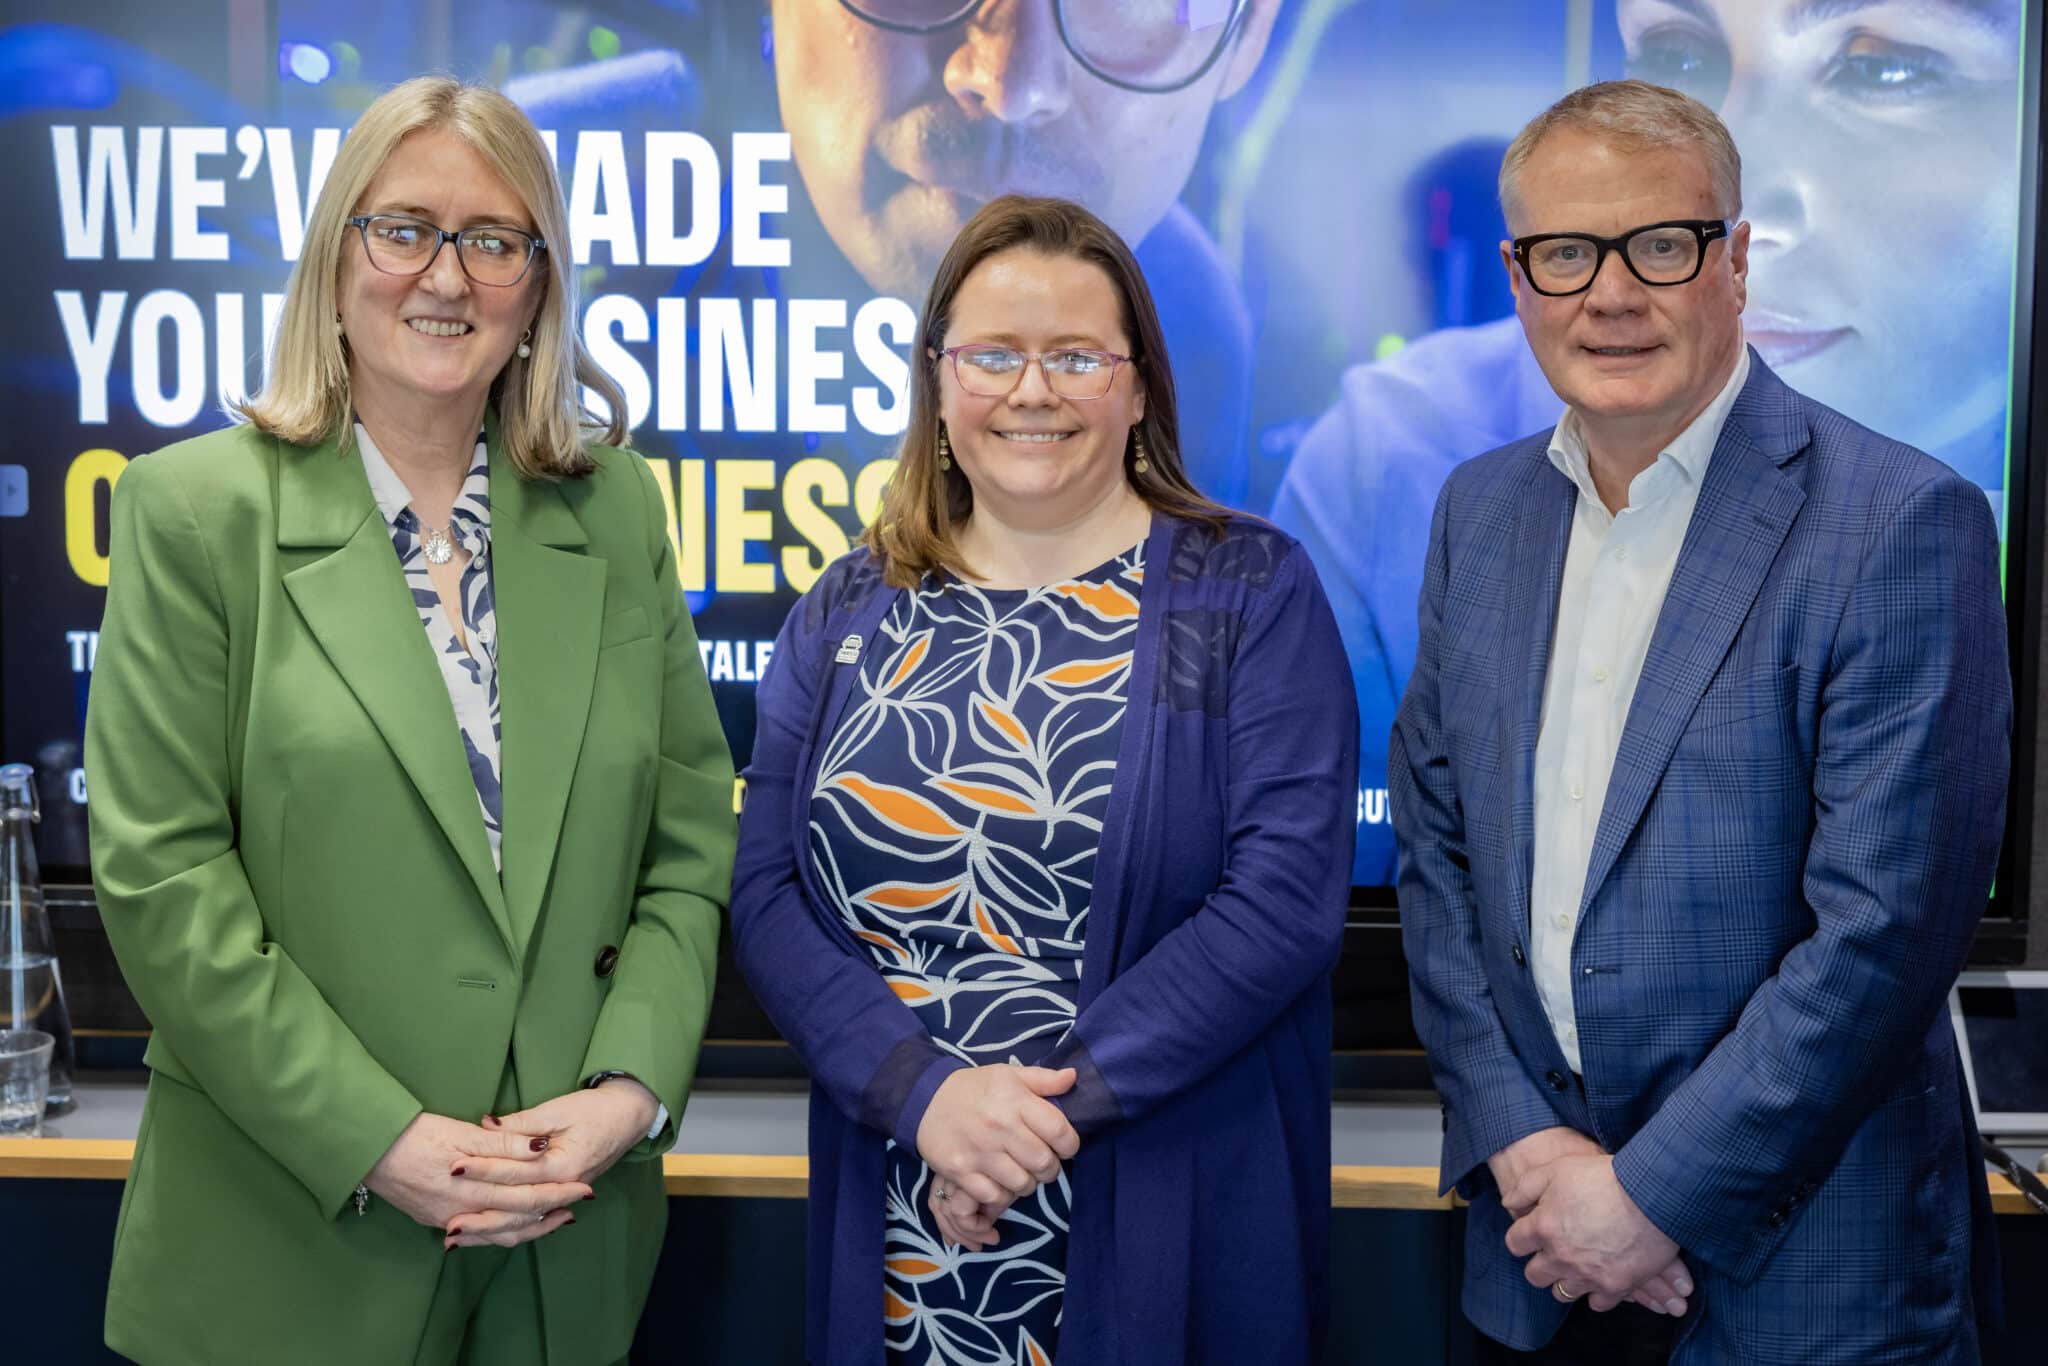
(159,1059)
(629,623)
(1768,690)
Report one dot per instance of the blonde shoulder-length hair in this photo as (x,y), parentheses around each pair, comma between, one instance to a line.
(542,422)
(916,530)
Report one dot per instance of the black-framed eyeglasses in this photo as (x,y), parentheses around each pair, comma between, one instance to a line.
(493,254)
(1660,254)
(1070,371)
(1153,47)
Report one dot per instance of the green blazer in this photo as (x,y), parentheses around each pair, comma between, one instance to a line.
(293,870)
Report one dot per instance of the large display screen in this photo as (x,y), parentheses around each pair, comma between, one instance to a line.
(759,190)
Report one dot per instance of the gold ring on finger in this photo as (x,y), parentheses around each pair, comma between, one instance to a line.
(1559,1291)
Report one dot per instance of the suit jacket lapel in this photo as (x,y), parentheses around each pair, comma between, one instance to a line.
(550,602)
(1745,510)
(1543,528)
(355,601)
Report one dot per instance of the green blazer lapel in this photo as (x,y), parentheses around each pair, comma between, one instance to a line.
(550,604)
(346,582)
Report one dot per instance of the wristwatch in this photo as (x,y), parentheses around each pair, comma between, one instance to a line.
(660,1110)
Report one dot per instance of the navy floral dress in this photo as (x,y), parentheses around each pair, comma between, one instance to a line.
(954,826)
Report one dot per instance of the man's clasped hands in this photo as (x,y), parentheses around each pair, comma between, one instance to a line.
(991,1137)
(1579,1229)
(512,1178)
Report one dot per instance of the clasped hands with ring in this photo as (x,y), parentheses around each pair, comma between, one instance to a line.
(513,1178)
(1582,1234)
(991,1136)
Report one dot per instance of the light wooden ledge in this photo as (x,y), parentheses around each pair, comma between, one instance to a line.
(786,1178)
(1386,1188)
(782,1178)
(76,1159)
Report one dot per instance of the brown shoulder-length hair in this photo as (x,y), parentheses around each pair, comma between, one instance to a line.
(541,418)
(913,533)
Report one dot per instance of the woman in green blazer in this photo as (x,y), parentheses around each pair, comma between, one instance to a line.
(412,818)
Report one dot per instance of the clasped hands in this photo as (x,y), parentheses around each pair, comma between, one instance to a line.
(1579,1229)
(512,1178)
(991,1137)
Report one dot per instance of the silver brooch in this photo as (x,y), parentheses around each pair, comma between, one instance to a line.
(438,544)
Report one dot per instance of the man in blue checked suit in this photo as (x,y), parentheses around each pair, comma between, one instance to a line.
(1699,784)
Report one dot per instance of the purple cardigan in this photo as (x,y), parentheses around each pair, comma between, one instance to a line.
(1201,1194)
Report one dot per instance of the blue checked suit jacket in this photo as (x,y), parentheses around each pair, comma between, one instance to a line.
(1798,839)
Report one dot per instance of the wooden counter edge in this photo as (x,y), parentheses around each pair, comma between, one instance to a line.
(77,1159)
(729,1174)
(733,1175)
(1386,1188)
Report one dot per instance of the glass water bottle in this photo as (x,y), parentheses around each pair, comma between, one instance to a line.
(31,990)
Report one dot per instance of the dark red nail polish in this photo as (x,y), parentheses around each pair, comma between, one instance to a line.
(570,1220)
(491,1120)
(458,1171)
(454,1233)
(539,1145)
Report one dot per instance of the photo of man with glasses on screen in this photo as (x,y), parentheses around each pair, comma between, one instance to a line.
(905,116)
(1881,178)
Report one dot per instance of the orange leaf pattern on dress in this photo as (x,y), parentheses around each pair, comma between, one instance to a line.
(989,931)
(1083,672)
(1105,600)
(882,941)
(984,797)
(1006,725)
(955,818)
(907,659)
(905,810)
(908,897)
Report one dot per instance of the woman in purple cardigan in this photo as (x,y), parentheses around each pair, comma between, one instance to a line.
(1045,854)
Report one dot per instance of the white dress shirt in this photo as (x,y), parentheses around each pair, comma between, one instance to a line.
(1616,572)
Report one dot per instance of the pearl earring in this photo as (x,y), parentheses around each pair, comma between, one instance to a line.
(1139,464)
(945,451)
(524,338)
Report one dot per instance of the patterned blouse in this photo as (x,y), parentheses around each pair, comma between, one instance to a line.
(471,674)
(954,825)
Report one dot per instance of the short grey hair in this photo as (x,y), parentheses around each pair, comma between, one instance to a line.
(1635,116)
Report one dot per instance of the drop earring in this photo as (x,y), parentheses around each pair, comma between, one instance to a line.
(945,452)
(524,349)
(1139,465)
(337,325)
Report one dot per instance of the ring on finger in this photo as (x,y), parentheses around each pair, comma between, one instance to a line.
(539,1216)
(1558,1290)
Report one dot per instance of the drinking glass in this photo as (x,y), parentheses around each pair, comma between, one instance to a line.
(24,1081)
(31,984)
